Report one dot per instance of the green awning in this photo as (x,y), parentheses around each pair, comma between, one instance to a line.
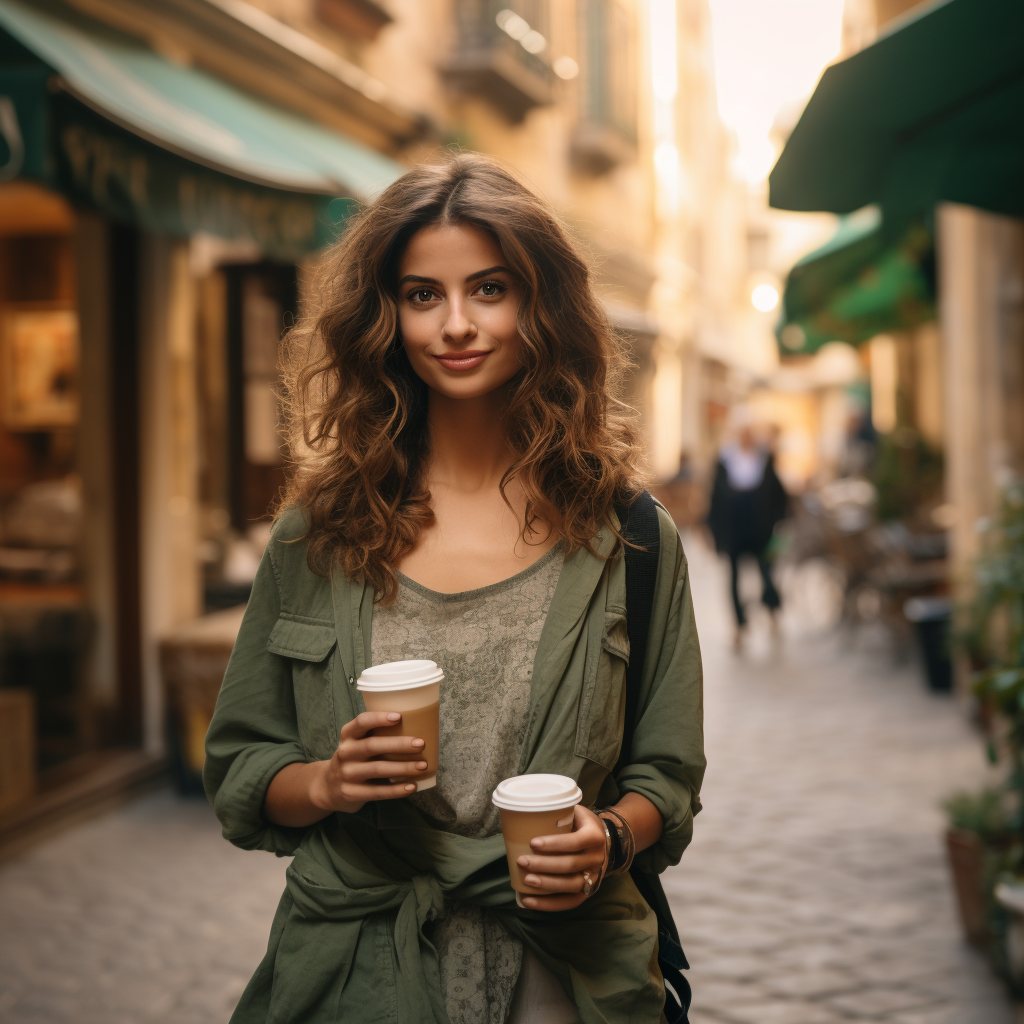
(933,110)
(107,120)
(862,282)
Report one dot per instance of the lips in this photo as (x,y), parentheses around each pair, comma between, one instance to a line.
(462,360)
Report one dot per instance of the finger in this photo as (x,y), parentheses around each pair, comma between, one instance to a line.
(355,793)
(359,726)
(374,746)
(555,883)
(562,864)
(569,842)
(357,771)
(551,902)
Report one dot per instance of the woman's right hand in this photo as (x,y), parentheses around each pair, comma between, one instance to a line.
(303,794)
(356,774)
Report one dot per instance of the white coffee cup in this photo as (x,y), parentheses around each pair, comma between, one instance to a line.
(532,806)
(413,689)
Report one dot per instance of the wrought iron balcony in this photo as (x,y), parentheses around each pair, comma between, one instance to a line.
(359,19)
(605,134)
(501,54)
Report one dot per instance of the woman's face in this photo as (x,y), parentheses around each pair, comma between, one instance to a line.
(457,308)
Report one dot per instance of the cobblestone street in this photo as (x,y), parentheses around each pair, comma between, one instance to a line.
(815,890)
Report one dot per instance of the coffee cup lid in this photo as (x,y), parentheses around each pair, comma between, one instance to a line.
(537,793)
(399,675)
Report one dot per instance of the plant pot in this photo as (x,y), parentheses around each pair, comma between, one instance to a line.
(966,862)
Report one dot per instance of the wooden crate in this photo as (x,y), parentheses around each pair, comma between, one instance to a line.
(17,747)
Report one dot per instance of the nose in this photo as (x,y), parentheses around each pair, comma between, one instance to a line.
(458,327)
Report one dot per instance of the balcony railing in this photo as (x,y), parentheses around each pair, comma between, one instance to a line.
(501,54)
(606,132)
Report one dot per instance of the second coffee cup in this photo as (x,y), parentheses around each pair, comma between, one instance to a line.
(533,806)
(413,689)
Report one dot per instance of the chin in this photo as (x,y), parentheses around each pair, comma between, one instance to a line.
(466,385)
(465,389)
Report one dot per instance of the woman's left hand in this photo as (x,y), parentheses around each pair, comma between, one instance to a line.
(556,863)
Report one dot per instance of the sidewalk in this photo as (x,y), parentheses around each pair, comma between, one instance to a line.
(815,890)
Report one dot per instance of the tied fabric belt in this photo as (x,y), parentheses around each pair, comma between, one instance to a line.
(602,952)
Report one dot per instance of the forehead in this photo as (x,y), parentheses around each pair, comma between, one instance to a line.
(455,250)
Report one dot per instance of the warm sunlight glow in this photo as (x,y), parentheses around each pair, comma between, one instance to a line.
(663,48)
(768,57)
(664,73)
(764,298)
(566,68)
(666,170)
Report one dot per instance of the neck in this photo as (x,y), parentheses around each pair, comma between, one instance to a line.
(468,448)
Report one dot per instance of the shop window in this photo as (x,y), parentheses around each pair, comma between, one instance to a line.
(46,627)
(503,54)
(246,310)
(605,133)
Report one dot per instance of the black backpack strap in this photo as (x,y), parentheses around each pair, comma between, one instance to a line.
(638,524)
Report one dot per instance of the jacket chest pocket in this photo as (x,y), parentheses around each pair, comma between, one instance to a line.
(309,646)
(603,701)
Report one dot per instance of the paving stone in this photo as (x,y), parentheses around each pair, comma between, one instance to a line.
(781,1011)
(811,984)
(980,1012)
(718,995)
(878,1003)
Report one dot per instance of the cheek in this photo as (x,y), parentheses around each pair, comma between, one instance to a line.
(502,324)
(410,327)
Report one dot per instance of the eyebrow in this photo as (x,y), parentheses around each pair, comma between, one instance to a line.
(414,279)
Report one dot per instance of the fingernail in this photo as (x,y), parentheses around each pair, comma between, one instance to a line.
(394,717)
(523,862)
(411,788)
(532,880)
(417,743)
(537,844)
(421,766)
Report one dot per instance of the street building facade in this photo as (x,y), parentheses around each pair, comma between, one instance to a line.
(170,173)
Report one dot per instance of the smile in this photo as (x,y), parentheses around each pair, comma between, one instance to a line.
(462,360)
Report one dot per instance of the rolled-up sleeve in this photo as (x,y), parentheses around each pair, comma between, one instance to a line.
(666,759)
(254,732)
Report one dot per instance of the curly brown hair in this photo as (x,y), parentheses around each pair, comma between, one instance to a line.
(358,411)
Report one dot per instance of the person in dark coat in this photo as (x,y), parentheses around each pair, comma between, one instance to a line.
(747,502)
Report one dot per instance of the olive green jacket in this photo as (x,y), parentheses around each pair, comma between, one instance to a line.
(347,942)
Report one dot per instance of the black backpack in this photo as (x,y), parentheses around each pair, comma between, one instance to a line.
(639,525)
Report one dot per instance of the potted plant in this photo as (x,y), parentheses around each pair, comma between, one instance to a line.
(977,842)
(986,839)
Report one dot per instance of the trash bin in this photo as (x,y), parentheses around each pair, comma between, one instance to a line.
(931,617)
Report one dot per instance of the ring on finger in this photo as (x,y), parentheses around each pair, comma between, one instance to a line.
(588,884)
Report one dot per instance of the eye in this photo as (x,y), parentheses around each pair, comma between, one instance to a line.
(421,295)
(490,289)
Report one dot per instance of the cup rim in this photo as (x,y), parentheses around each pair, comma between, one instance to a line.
(412,675)
(565,793)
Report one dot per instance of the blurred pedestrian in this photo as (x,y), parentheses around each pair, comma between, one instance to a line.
(747,503)
(466,455)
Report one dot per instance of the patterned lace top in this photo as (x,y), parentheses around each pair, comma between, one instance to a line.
(485,640)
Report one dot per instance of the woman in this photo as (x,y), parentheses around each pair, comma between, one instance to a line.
(463,451)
